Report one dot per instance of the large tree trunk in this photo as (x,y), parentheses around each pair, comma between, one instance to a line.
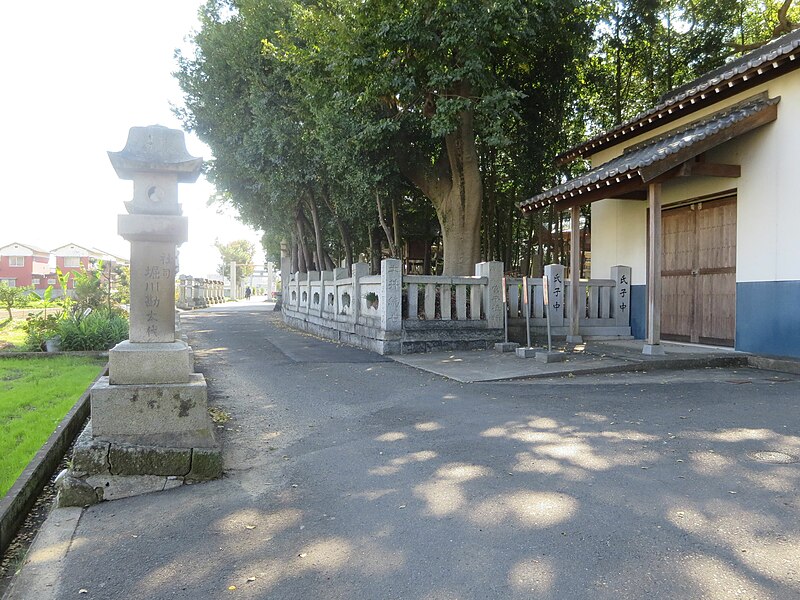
(293,253)
(375,250)
(312,205)
(386,229)
(304,254)
(344,231)
(455,188)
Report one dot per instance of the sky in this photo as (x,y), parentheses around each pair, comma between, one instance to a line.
(76,76)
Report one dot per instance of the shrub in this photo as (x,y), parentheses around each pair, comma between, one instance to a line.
(39,329)
(99,330)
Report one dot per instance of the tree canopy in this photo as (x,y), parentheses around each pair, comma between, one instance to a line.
(239,251)
(358,129)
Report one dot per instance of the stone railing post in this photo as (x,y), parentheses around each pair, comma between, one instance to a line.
(338,273)
(196,293)
(181,291)
(311,276)
(622,295)
(391,297)
(492,293)
(359,270)
(324,276)
(555,300)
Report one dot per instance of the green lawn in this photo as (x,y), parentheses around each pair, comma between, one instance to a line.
(35,394)
(12,335)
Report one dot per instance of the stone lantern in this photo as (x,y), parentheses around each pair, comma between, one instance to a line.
(149,416)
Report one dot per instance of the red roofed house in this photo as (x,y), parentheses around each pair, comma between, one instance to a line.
(24,265)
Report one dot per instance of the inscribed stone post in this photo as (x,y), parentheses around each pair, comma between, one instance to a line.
(391,296)
(555,278)
(622,300)
(493,292)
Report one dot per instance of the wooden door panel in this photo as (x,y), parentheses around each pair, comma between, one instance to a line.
(717,318)
(677,297)
(716,235)
(698,275)
(677,231)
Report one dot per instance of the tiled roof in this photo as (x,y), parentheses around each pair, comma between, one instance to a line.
(627,166)
(748,69)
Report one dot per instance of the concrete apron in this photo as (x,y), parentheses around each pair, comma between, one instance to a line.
(591,357)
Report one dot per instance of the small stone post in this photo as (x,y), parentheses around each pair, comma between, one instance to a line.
(358,270)
(492,293)
(555,278)
(622,300)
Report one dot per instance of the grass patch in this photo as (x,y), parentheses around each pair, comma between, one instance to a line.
(35,394)
(12,335)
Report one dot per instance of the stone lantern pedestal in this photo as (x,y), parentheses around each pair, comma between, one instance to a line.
(149,418)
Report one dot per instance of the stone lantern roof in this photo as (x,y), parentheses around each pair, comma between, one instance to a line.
(156,149)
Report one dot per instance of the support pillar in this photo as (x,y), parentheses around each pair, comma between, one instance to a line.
(653,343)
(574,336)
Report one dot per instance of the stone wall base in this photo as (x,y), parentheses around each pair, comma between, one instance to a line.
(408,341)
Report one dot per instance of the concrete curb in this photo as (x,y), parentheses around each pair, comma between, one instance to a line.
(645,365)
(89,353)
(40,576)
(783,365)
(17,502)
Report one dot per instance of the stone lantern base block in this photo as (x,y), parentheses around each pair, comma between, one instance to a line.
(506,346)
(526,352)
(550,357)
(169,415)
(132,363)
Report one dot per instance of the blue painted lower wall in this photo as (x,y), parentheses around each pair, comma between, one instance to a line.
(768,317)
(639,311)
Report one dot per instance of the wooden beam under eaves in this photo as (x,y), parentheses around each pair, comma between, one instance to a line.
(693,168)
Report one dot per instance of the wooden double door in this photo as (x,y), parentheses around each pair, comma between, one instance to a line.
(698,271)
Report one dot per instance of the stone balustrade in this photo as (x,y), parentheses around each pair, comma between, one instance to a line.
(392,313)
(384,313)
(603,304)
(199,292)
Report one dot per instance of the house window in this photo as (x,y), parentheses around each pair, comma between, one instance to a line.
(51,281)
(8,282)
(16,261)
(36,281)
(72,262)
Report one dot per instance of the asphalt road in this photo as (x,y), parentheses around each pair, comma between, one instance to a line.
(351,476)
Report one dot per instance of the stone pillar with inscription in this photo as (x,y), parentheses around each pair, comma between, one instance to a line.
(149,416)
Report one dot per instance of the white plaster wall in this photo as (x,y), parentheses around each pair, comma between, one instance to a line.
(619,237)
(72,250)
(768,206)
(15,250)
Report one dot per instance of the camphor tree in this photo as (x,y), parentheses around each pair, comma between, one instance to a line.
(326,105)
(331,122)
